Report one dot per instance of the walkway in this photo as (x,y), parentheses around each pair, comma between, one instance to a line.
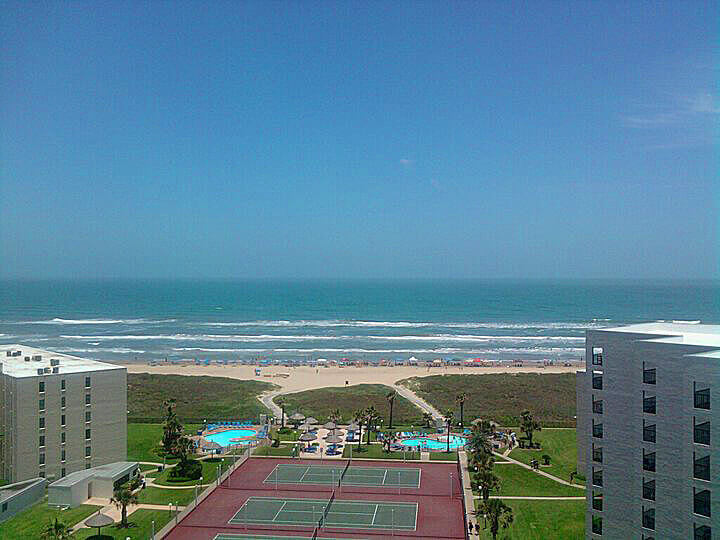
(417,400)
(536,498)
(543,473)
(115,513)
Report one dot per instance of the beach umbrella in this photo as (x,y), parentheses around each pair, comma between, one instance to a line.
(98,521)
(330,425)
(353,426)
(306,427)
(311,420)
(297,416)
(338,432)
(333,439)
(307,437)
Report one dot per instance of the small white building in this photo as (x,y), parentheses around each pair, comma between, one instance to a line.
(76,488)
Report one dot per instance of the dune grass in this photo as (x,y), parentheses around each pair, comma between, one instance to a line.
(501,396)
(30,522)
(321,402)
(197,398)
(559,444)
(535,520)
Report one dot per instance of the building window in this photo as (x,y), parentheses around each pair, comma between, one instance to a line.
(702,398)
(701,502)
(88,416)
(649,375)
(62,472)
(87,382)
(62,402)
(597,381)
(87,399)
(597,356)
(41,386)
(649,490)
(597,501)
(649,404)
(62,455)
(597,453)
(42,441)
(62,384)
(41,422)
(648,518)
(41,474)
(598,406)
(648,461)
(703,532)
(87,451)
(701,434)
(87,464)
(42,459)
(701,467)
(62,420)
(62,437)
(41,404)
(597,430)
(87,434)
(649,432)
(597,525)
(597,477)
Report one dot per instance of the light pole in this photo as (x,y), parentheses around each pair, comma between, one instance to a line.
(152,530)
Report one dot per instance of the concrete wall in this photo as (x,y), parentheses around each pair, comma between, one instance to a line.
(623,444)
(582,399)
(22,498)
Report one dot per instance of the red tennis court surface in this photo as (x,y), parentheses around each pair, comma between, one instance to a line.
(439,503)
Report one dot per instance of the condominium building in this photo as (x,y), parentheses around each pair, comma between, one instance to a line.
(649,431)
(59,413)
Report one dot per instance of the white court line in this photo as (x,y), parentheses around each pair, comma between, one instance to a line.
(278,512)
(374,514)
(384,477)
(303,475)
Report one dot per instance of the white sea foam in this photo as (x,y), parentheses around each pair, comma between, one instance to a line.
(407,324)
(118,350)
(60,321)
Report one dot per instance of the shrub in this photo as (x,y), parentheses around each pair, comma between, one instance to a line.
(189,470)
(546,459)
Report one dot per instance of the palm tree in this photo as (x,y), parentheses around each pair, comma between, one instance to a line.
(528,425)
(427,419)
(460,400)
(371,417)
(391,400)
(479,440)
(360,419)
(281,403)
(480,461)
(56,530)
(335,416)
(486,481)
(448,421)
(498,514)
(122,498)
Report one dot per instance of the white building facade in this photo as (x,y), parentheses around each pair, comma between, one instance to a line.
(649,431)
(60,413)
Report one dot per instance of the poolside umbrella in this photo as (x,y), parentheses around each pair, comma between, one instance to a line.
(311,420)
(297,416)
(307,437)
(330,425)
(353,426)
(98,521)
(337,432)
(333,439)
(306,427)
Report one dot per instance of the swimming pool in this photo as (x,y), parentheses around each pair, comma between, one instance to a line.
(224,437)
(431,444)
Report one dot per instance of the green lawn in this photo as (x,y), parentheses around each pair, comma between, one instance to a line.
(501,397)
(375,451)
(321,402)
(282,450)
(210,469)
(516,480)
(443,456)
(559,444)
(197,398)
(144,439)
(140,526)
(31,522)
(154,495)
(537,520)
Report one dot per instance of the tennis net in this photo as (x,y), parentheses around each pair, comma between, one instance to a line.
(315,533)
(327,510)
(345,470)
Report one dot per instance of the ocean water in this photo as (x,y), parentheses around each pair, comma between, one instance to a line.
(307,320)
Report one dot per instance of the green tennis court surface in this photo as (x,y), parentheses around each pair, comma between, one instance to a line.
(341,513)
(224,536)
(292,473)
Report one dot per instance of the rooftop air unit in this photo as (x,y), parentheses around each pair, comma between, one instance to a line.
(47,370)
(8,353)
(37,357)
(54,362)
(27,358)
(40,371)
(56,369)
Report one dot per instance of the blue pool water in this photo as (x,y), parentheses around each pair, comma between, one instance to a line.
(432,444)
(223,438)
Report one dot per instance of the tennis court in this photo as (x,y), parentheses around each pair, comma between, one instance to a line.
(335,513)
(347,475)
(224,536)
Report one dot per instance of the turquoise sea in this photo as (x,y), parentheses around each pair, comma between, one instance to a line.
(305,320)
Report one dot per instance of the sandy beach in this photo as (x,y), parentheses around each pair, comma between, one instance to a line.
(308,378)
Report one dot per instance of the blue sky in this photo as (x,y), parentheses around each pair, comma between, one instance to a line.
(311,139)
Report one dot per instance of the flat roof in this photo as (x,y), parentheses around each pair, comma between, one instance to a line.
(111,470)
(679,333)
(16,366)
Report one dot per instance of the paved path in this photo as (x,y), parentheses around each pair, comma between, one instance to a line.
(417,400)
(115,513)
(523,498)
(543,473)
